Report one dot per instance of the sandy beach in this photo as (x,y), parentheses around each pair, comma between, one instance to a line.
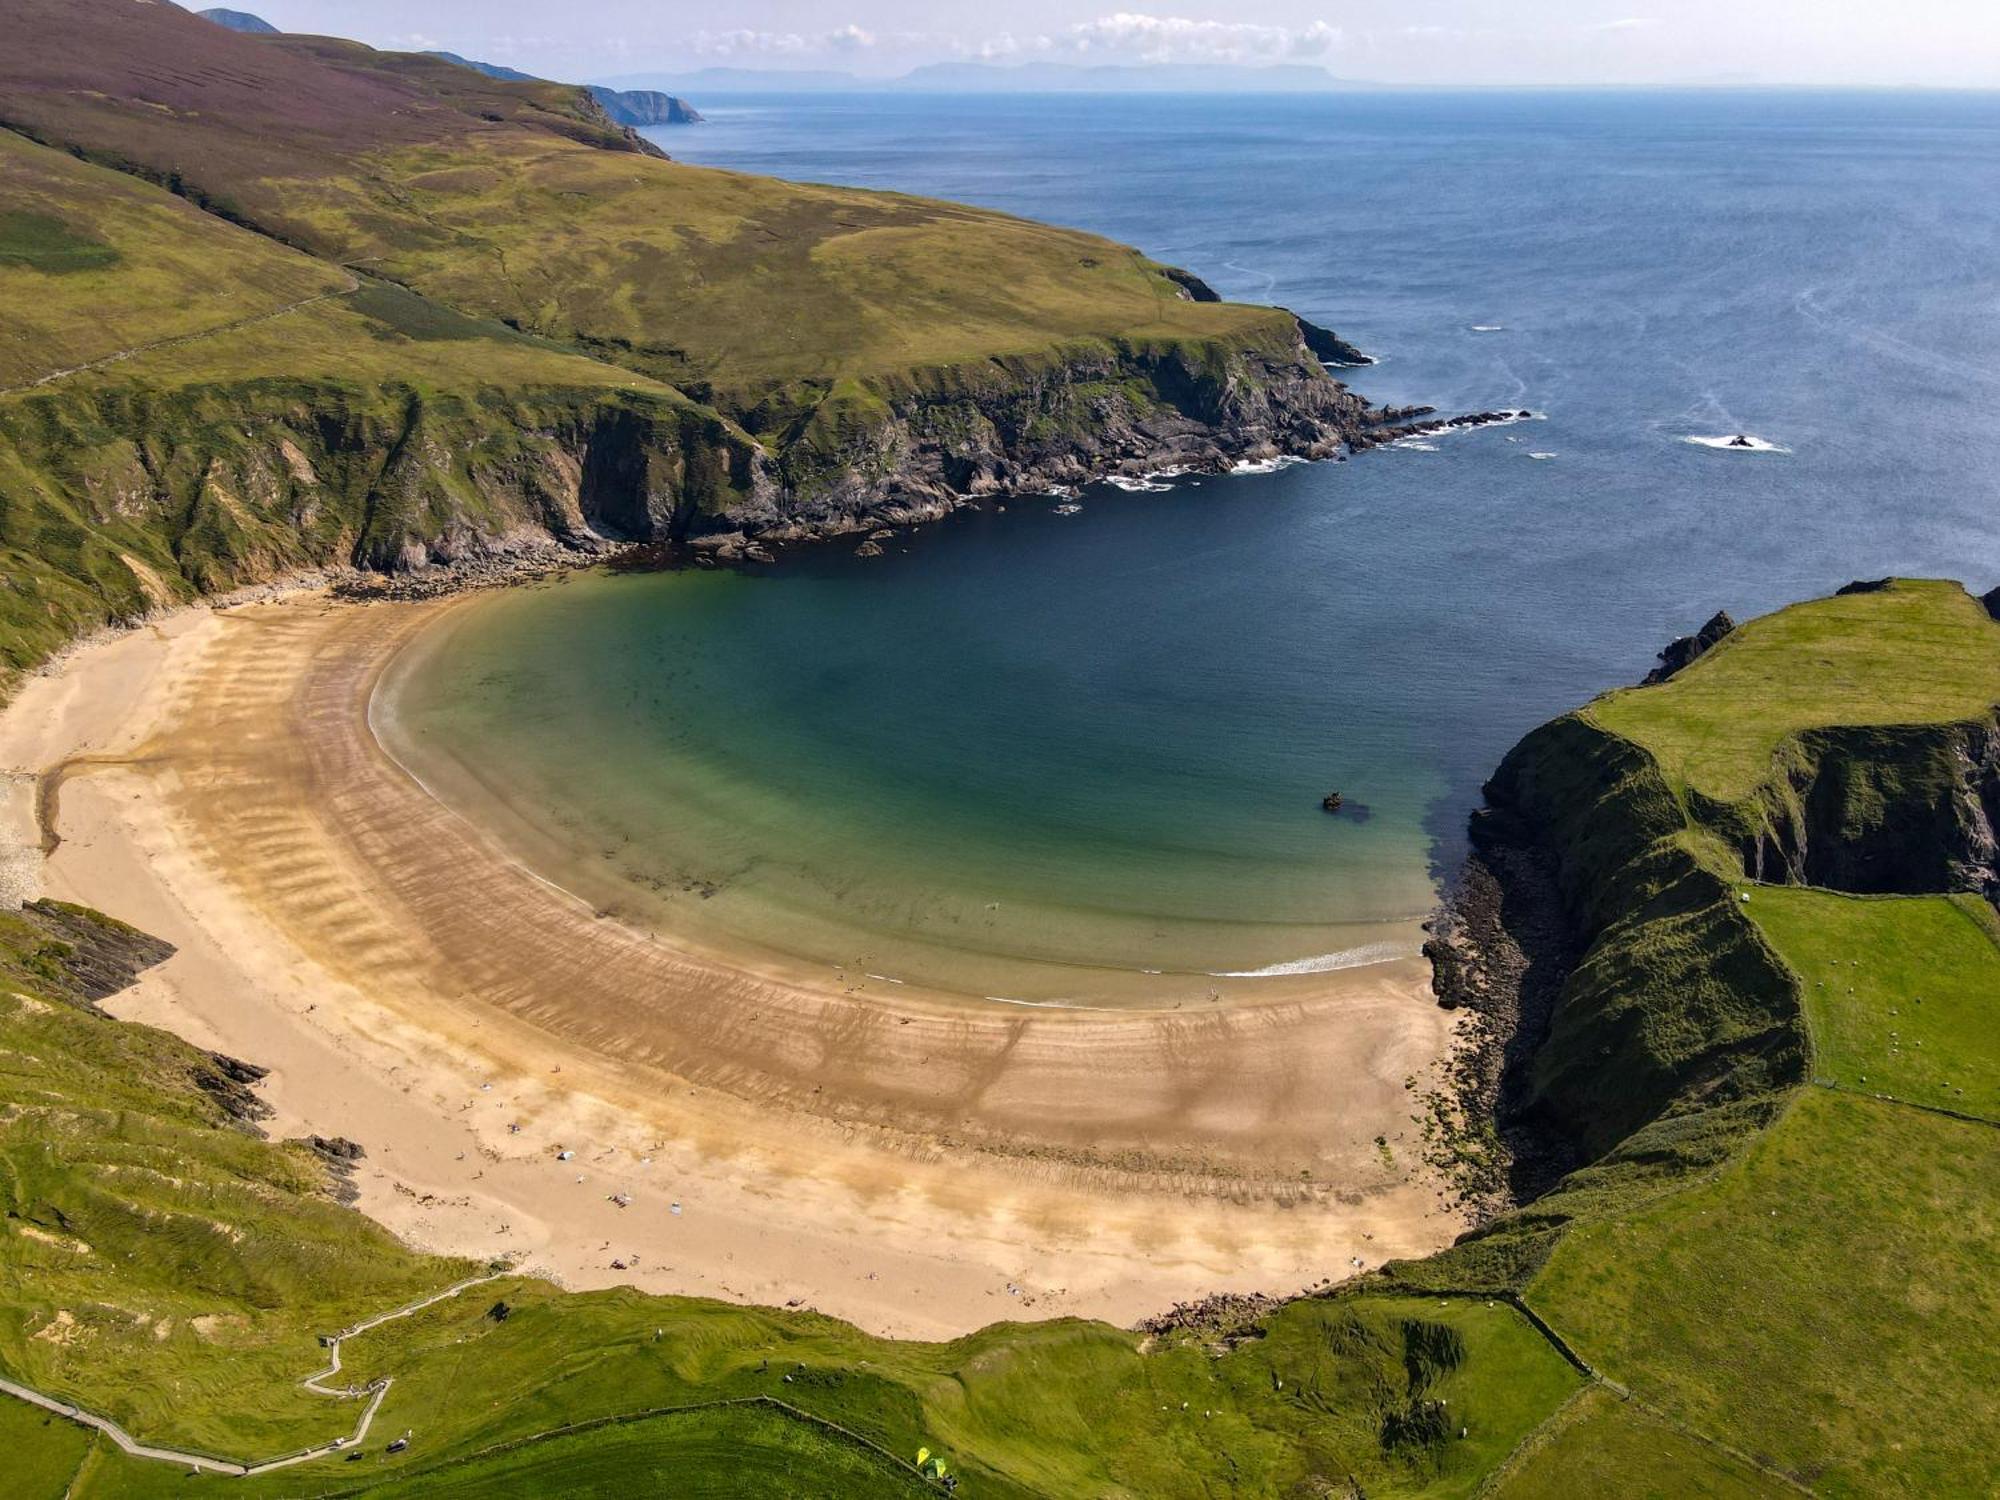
(914,1163)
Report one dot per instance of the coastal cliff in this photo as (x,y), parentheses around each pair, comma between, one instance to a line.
(328,307)
(1631,1021)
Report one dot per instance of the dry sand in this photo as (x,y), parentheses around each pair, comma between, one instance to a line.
(919,1164)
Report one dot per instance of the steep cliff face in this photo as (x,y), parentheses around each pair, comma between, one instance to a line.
(1676,1005)
(121,499)
(926,445)
(1901,809)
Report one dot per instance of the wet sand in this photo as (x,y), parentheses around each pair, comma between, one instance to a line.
(921,1164)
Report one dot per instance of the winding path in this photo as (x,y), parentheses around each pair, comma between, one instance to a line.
(182,338)
(314,1382)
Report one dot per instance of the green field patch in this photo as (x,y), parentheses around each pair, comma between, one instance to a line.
(1826,1303)
(43,242)
(720,1452)
(1602,1446)
(1903,992)
(1918,652)
(39,1452)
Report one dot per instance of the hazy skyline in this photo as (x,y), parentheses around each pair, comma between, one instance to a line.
(1956,43)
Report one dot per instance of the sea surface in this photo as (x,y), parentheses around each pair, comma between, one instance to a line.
(1034,756)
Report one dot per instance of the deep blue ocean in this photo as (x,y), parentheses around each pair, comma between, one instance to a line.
(1131,711)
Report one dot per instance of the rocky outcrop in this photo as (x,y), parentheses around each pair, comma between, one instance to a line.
(89,955)
(1684,649)
(644,107)
(925,447)
(1992,603)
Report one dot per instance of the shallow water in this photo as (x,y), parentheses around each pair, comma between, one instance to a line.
(1033,755)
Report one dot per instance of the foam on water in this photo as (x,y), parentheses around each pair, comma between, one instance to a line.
(1733,442)
(1264,465)
(1324,963)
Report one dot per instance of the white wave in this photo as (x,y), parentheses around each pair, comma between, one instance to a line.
(1489,327)
(1541,455)
(1047,1004)
(1264,465)
(1068,508)
(1414,445)
(1132,486)
(1324,963)
(888,978)
(1736,442)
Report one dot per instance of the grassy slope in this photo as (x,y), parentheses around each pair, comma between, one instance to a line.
(266,439)
(156,1262)
(502,199)
(741,284)
(92,263)
(1827,1303)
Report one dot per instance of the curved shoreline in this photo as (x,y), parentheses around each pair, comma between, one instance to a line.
(890,1159)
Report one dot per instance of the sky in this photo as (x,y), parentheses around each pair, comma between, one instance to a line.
(1951,43)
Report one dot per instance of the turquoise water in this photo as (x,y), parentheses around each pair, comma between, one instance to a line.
(1034,755)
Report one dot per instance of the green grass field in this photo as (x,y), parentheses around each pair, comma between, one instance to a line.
(1827,1303)
(1601,1446)
(1919,652)
(1903,992)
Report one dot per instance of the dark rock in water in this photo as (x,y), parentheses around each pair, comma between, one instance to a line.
(1332,802)
(1330,348)
(1864,586)
(1684,650)
(1740,441)
(1191,285)
(1992,603)
(869,548)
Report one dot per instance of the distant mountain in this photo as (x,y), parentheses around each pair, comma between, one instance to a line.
(491,70)
(240,20)
(744,81)
(625,106)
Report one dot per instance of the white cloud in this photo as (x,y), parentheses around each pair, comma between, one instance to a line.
(1630,23)
(849,38)
(1163,39)
(745,43)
